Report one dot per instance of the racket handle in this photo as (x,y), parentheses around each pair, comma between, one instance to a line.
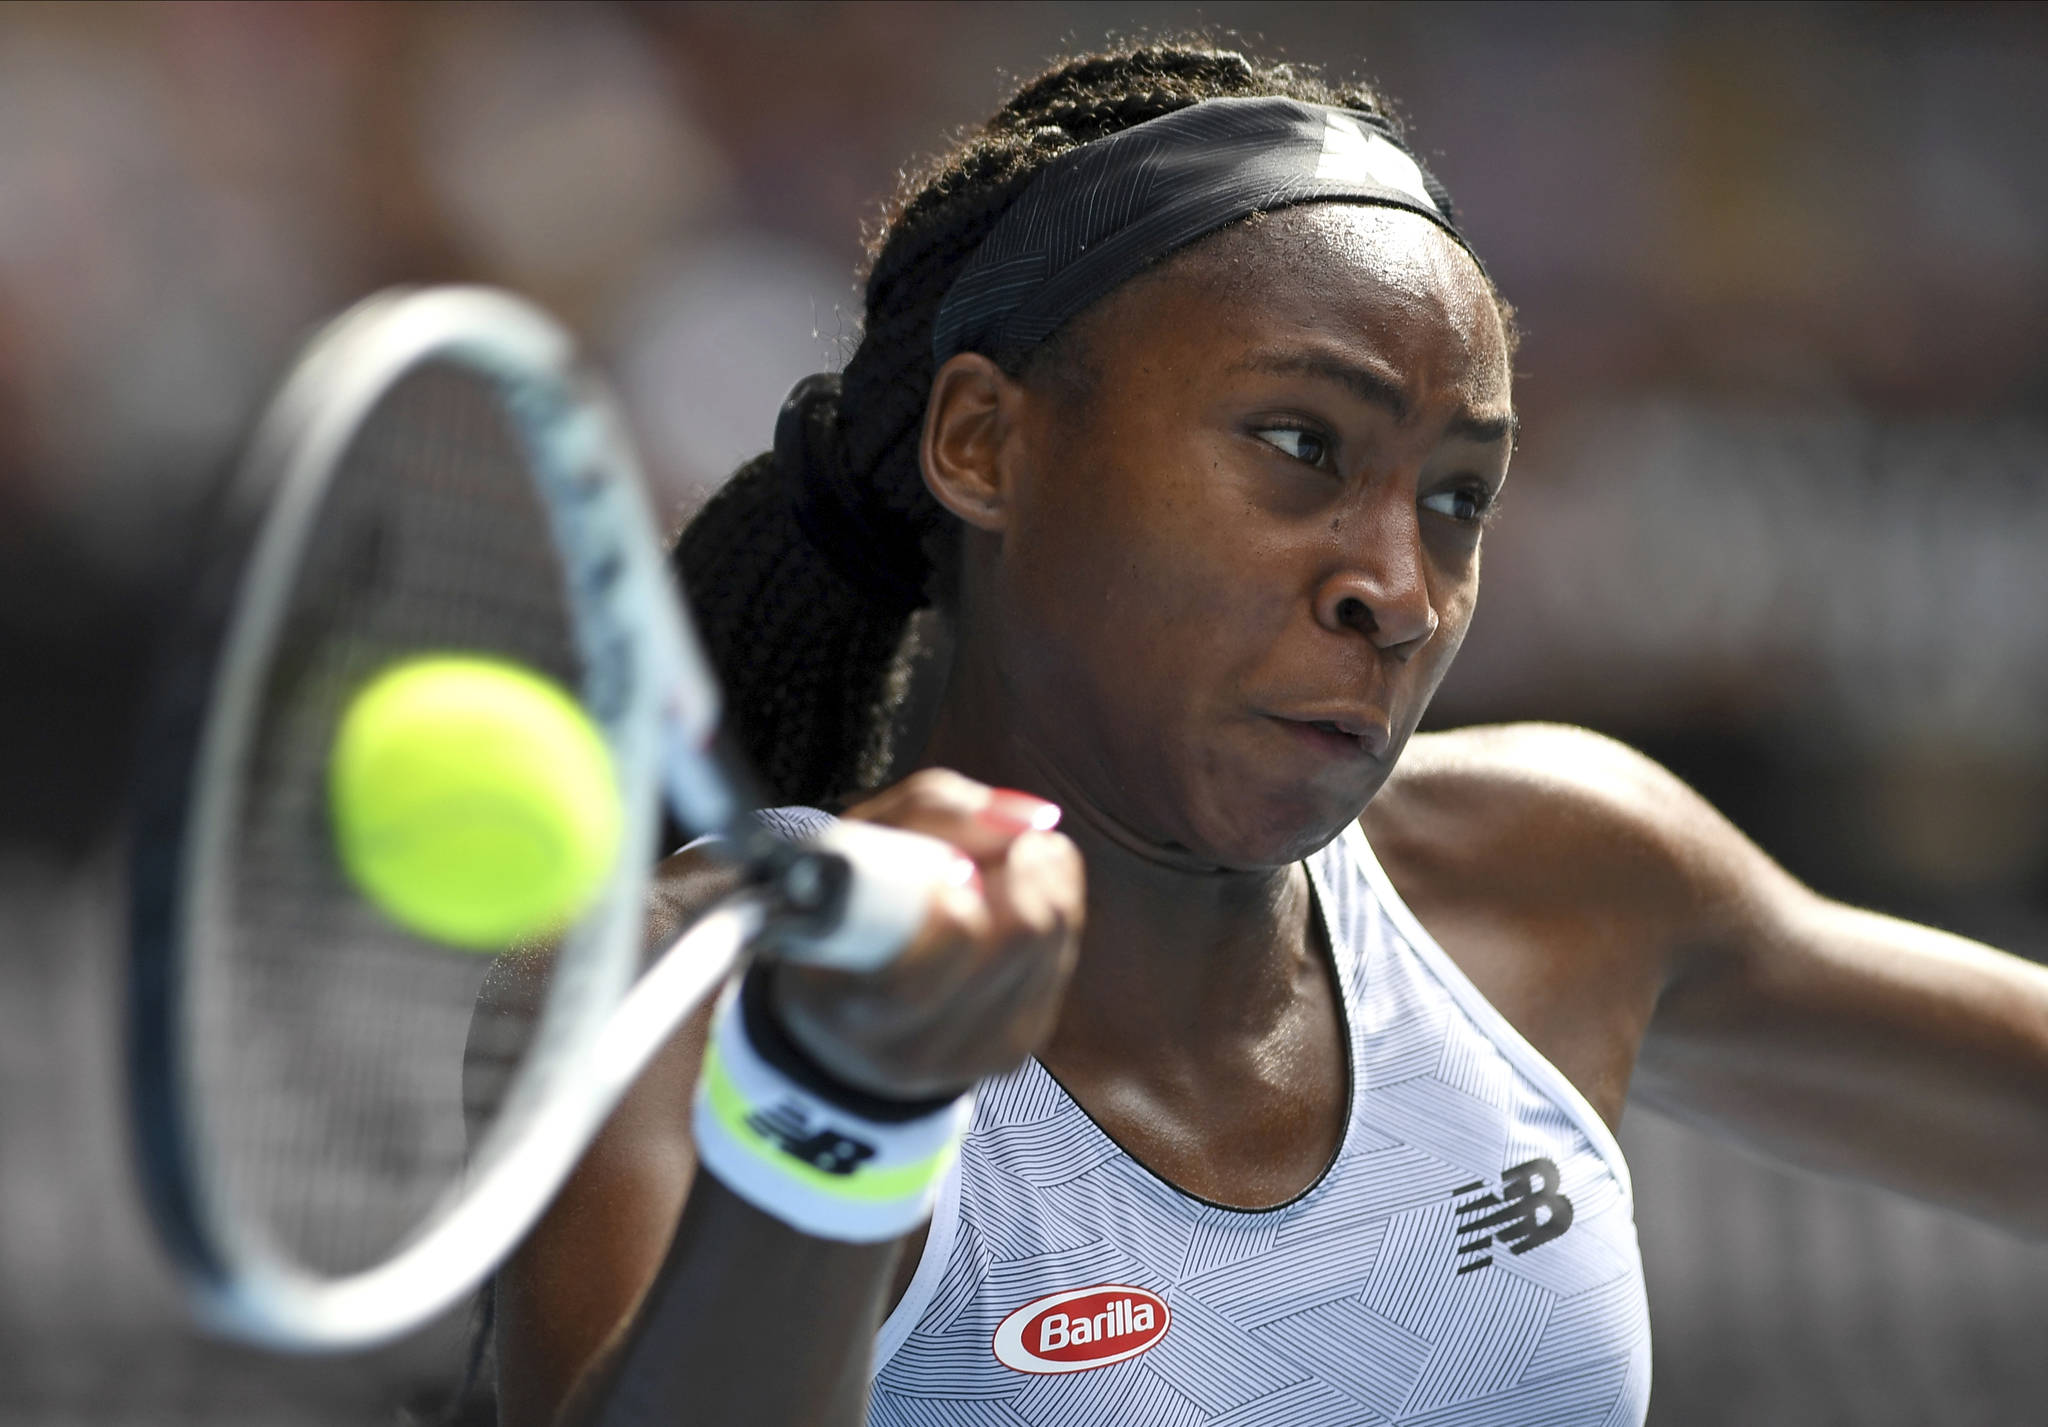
(893,876)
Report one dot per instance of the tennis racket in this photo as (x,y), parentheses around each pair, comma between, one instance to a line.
(437,473)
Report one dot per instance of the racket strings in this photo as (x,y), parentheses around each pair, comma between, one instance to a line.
(329,1043)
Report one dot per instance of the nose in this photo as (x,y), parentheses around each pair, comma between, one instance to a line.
(1387,602)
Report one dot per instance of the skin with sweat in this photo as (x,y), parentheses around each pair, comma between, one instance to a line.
(1214,568)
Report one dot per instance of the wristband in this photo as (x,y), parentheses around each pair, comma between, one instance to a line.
(825,1159)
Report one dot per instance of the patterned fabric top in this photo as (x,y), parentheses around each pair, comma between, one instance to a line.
(1468,1258)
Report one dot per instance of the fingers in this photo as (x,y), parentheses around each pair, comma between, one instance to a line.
(1026,889)
(1035,888)
(979,820)
(979,988)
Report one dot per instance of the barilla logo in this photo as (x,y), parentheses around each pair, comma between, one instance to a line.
(1081,1328)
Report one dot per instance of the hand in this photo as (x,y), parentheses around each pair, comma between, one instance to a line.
(980,987)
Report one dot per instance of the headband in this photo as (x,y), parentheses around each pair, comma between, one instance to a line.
(1091,220)
(1100,214)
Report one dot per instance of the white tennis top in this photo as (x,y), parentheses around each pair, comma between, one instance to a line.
(1468,1258)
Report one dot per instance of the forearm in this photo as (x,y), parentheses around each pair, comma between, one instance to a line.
(745,1318)
(1876,1049)
(747,1322)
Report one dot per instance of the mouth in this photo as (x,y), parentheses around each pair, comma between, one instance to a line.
(1345,735)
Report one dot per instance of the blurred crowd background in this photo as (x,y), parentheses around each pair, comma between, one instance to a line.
(1780,515)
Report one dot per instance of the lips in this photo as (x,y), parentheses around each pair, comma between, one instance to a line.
(1343,731)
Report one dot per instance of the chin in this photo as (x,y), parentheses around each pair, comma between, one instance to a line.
(1273,827)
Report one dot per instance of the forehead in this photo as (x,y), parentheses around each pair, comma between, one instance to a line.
(1382,281)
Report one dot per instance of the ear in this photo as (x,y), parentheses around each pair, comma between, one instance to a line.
(970,430)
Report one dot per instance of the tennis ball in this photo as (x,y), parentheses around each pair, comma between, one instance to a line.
(472,800)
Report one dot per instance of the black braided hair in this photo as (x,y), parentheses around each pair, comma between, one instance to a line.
(810,662)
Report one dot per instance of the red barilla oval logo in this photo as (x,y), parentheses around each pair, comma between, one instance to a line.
(1081,1328)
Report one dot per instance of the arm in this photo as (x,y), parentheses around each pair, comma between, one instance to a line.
(1855,1044)
(1647,947)
(615,1310)
(745,1321)
(574,1308)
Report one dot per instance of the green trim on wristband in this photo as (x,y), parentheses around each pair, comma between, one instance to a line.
(867,1185)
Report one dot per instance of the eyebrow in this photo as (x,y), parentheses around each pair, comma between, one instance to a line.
(1369,386)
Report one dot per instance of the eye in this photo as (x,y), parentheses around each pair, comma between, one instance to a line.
(1311,448)
(1468,505)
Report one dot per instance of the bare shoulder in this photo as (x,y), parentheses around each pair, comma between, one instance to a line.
(1530,768)
(1571,878)
(1537,805)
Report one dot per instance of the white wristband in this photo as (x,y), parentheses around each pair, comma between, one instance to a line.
(817,1166)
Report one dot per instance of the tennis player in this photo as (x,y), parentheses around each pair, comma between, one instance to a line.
(1185,401)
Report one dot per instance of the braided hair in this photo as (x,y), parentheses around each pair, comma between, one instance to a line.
(813,661)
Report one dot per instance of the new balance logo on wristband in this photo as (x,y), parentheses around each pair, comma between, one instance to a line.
(1527,1212)
(824,1149)
(824,1169)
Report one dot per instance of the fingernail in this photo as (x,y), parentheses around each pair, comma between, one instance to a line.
(1016,812)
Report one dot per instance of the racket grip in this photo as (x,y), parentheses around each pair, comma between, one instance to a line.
(894,874)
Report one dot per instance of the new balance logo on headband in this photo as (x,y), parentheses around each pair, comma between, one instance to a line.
(1526,1213)
(1353,153)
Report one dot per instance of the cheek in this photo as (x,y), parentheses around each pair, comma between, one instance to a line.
(1147,574)
(1455,597)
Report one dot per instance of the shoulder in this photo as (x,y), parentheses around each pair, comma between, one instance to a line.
(1582,790)
(1561,824)
(1545,760)
(1506,780)
(1572,879)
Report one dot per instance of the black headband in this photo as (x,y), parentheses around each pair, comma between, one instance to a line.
(1102,213)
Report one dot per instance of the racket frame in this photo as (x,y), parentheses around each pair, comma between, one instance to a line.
(648,687)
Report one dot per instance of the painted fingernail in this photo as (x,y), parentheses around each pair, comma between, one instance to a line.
(1016,812)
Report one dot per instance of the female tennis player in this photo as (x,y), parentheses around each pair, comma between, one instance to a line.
(1185,402)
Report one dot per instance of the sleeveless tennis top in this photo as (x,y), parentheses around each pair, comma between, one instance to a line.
(1467,1258)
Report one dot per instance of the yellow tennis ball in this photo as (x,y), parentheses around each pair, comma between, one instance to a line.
(473,801)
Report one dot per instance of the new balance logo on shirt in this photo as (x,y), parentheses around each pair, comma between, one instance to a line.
(1343,1306)
(1527,1213)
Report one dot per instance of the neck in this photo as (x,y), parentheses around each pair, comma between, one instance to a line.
(1174,954)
